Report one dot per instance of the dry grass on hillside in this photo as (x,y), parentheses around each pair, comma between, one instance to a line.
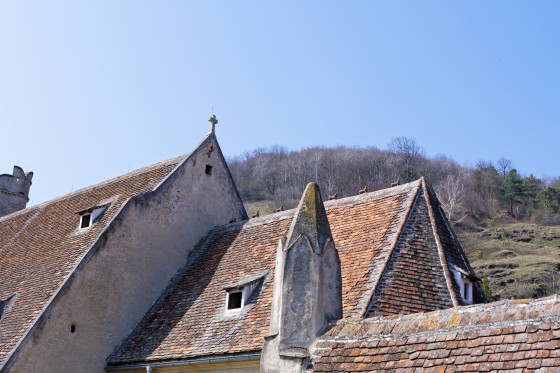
(520,260)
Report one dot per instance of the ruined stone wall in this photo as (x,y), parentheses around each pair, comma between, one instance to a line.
(129,267)
(14,191)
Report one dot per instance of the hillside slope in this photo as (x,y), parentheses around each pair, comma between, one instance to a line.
(520,260)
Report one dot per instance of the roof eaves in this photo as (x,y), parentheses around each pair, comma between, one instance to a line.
(249,356)
(442,258)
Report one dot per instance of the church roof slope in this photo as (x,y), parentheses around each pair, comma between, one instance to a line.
(502,336)
(41,246)
(190,320)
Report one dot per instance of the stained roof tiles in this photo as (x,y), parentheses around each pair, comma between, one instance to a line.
(501,336)
(40,246)
(189,319)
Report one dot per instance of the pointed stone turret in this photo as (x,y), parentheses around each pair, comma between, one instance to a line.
(307,287)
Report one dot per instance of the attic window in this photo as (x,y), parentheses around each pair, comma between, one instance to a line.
(208,170)
(85,220)
(464,282)
(90,216)
(6,305)
(234,300)
(467,291)
(238,295)
(2,306)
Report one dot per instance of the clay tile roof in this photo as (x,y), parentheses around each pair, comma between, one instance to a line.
(40,246)
(505,335)
(189,320)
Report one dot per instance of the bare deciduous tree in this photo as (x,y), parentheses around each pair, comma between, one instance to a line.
(504,166)
(410,154)
(451,193)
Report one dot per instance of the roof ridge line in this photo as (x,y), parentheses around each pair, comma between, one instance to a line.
(102,183)
(412,197)
(332,204)
(380,193)
(462,310)
(441,253)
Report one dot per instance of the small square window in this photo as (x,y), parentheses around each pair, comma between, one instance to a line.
(85,220)
(90,216)
(239,296)
(208,170)
(235,300)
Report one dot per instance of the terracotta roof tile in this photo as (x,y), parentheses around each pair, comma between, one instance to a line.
(189,320)
(414,279)
(498,336)
(40,246)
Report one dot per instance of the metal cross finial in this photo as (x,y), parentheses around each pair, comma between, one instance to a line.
(213,121)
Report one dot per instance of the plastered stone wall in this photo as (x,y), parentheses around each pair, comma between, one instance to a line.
(129,267)
(307,287)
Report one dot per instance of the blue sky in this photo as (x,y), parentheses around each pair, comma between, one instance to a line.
(91,90)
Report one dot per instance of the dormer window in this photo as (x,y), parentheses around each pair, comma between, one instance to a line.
(467,291)
(234,300)
(85,220)
(463,280)
(90,216)
(239,294)
(6,305)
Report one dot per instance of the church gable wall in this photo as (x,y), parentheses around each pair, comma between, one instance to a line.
(130,265)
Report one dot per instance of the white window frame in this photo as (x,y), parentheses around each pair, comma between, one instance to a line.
(246,292)
(465,286)
(82,216)
(93,214)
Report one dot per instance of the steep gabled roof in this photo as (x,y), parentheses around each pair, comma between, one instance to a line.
(41,246)
(189,319)
(501,336)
